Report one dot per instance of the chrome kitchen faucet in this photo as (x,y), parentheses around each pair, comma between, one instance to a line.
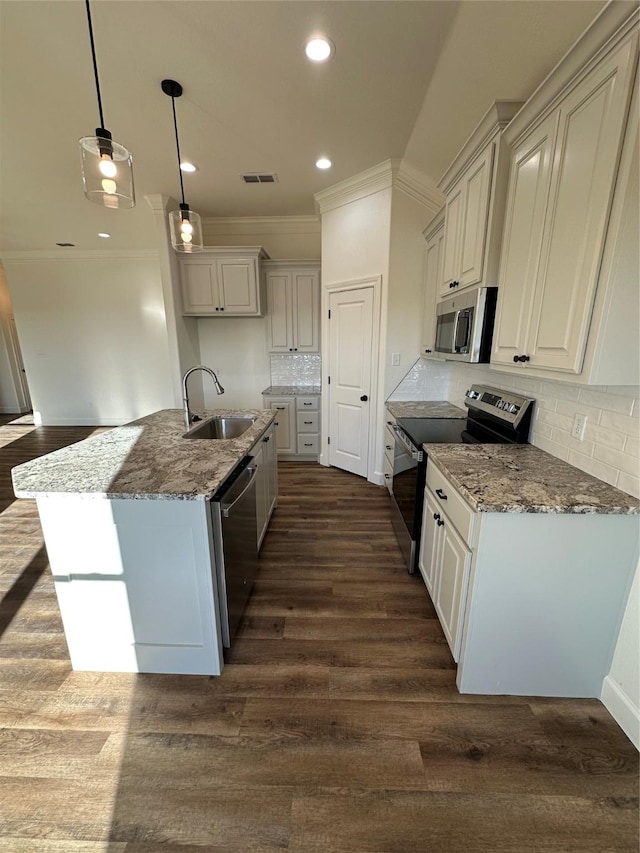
(189,418)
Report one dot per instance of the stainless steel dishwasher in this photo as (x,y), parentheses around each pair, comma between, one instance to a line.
(235,534)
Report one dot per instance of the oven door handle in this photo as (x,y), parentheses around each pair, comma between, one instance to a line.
(404,441)
(454,336)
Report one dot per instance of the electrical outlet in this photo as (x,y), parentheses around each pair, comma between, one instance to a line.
(579,426)
(395,359)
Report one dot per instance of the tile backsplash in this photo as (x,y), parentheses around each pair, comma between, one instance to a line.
(611,446)
(298,369)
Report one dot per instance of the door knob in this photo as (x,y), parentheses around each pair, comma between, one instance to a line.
(364,398)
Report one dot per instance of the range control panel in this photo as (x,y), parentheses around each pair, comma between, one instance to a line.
(506,405)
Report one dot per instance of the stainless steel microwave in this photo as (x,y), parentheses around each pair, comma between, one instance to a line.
(464,325)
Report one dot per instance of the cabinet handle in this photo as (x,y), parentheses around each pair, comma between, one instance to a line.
(427,350)
(387,477)
(389,447)
(440,522)
(436,516)
(307,423)
(308,444)
(306,404)
(517,358)
(266,439)
(364,398)
(455,284)
(281,408)
(441,494)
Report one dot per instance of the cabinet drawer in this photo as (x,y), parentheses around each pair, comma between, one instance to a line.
(451,503)
(308,443)
(307,403)
(308,421)
(387,470)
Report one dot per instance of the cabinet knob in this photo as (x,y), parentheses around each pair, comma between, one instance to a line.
(387,477)
(455,284)
(427,350)
(388,446)
(222,309)
(517,358)
(295,349)
(217,308)
(364,398)
(436,516)
(440,522)
(290,349)
(441,494)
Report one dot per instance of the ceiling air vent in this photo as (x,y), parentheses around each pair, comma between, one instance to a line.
(259,178)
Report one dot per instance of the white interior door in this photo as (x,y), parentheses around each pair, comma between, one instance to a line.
(350,340)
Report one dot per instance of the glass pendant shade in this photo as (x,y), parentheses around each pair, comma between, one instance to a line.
(107,171)
(186,230)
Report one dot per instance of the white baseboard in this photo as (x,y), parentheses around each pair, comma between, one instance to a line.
(378,478)
(622,709)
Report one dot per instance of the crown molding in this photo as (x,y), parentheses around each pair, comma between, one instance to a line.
(613,24)
(223,225)
(434,225)
(496,118)
(161,204)
(71,254)
(417,186)
(390,174)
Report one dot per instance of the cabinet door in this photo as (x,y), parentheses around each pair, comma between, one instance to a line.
(261,489)
(238,283)
(454,561)
(432,278)
(306,311)
(530,175)
(473,232)
(280,310)
(285,424)
(452,226)
(429,544)
(199,287)
(591,124)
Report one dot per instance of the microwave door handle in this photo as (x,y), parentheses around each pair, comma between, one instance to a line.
(454,336)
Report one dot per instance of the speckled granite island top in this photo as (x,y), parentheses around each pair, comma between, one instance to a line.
(144,459)
(291,390)
(425,409)
(523,478)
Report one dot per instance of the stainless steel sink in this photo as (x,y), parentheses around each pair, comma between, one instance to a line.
(221,428)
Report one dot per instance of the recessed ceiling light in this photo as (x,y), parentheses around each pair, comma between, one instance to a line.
(188,167)
(319,48)
(324,163)
(104,235)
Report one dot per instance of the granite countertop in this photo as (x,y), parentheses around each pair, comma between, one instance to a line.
(144,459)
(291,390)
(523,478)
(425,409)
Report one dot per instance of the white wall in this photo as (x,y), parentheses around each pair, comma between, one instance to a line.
(93,336)
(282,237)
(10,401)
(235,348)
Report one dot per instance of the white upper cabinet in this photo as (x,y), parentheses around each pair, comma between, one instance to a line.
(567,183)
(293,296)
(434,257)
(223,282)
(475,186)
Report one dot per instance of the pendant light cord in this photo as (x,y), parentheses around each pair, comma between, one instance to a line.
(95,63)
(175,126)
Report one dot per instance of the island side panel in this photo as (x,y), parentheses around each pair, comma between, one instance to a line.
(545,602)
(135,583)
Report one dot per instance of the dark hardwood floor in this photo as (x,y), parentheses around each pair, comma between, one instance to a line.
(336,725)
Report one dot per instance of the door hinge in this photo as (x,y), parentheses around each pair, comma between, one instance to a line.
(329,313)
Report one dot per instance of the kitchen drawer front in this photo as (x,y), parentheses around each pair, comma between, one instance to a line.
(451,503)
(307,404)
(308,443)
(308,421)
(387,470)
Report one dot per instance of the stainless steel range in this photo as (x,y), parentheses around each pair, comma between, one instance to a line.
(494,417)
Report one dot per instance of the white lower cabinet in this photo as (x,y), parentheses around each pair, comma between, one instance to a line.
(445,559)
(530,602)
(266,460)
(297,425)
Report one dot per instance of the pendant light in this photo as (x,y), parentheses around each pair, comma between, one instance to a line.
(185,224)
(107,167)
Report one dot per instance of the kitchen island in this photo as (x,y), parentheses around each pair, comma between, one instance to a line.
(528,561)
(127,524)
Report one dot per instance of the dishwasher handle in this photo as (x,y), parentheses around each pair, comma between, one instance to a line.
(252,471)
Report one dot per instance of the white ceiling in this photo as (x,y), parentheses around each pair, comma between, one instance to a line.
(407,77)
